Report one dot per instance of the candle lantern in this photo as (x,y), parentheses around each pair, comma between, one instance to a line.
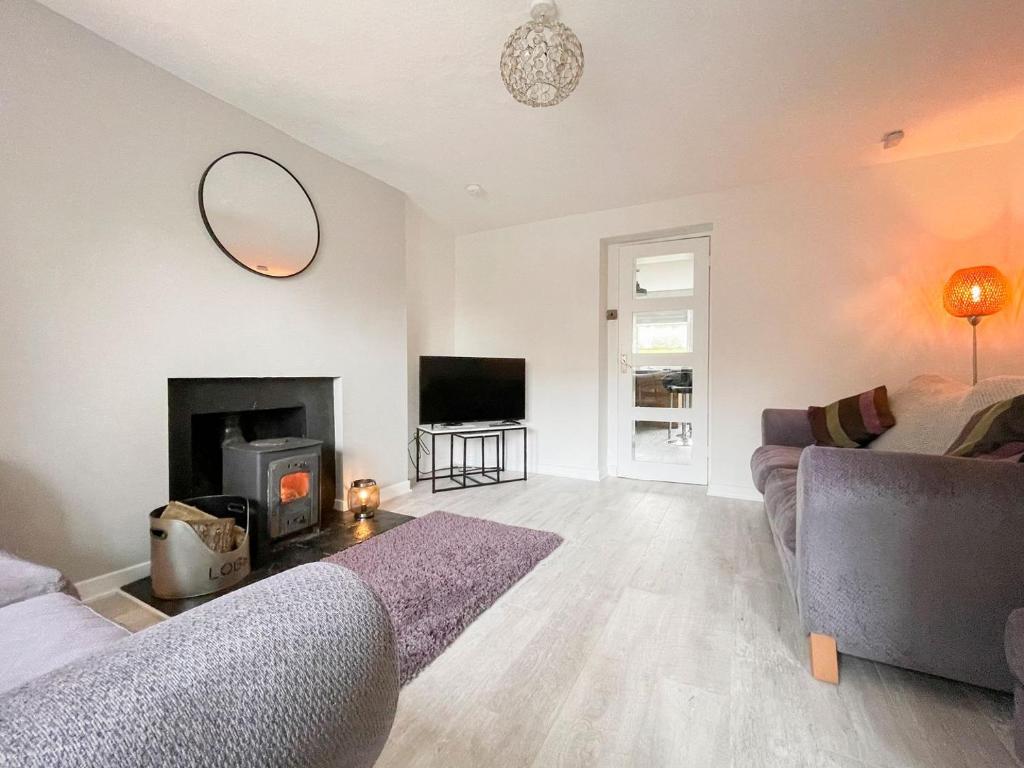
(363,498)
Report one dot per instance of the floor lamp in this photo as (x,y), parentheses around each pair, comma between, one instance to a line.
(973,293)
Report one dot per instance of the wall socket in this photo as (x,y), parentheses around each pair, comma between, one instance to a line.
(611,314)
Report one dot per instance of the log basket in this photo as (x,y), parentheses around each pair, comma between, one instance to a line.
(181,565)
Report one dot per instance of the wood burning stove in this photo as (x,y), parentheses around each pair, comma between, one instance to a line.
(281,478)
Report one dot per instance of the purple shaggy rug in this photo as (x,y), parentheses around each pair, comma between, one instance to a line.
(437,573)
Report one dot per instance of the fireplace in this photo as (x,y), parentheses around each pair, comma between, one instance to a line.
(281,478)
(269,440)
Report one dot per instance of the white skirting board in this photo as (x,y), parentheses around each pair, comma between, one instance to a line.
(110,582)
(744,492)
(577,473)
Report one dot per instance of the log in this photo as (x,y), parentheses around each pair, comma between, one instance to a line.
(217,533)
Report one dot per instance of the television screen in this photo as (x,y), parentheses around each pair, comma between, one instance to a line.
(464,389)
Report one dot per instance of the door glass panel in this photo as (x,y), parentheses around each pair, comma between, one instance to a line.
(663,442)
(662,387)
(666,332)
(663,277)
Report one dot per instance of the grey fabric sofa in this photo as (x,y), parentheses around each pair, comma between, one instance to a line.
(904,558)
(1015,660)
(296,670)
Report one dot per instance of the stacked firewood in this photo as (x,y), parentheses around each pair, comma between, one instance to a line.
(219,534)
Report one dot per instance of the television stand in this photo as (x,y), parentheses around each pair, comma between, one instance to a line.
(492,441)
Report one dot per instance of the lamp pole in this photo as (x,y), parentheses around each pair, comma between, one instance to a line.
(974,320)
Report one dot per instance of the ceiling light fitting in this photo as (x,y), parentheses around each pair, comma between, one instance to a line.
(542,61)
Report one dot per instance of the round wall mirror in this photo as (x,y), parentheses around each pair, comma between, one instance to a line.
(259,214)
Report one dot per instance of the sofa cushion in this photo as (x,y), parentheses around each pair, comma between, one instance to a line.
(20,580)
(43,633)
(780,504)
(995,432)
(852,422)
(768,458)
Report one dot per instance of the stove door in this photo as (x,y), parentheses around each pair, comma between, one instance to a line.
(294,494)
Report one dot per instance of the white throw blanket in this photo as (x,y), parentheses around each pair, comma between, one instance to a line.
(931,410)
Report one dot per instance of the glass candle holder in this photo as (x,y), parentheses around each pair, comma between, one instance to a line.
(363,498)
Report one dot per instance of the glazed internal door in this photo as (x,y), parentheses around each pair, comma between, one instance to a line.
(662,422)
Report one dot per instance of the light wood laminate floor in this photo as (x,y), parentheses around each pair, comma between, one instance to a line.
(661,633)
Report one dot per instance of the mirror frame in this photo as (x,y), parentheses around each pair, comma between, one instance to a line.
(225,251)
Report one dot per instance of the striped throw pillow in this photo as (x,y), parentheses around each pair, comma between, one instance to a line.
(995,432)
(852,422)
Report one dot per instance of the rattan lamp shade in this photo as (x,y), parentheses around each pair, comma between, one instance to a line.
(975,292)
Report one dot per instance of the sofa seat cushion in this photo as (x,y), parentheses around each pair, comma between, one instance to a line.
(769,458)
(780,504)
(47,632)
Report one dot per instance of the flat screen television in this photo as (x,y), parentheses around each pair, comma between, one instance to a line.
(456,390)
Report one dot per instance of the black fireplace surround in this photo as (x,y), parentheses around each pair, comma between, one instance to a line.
(198,411)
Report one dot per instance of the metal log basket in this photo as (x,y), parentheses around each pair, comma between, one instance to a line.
(182,565)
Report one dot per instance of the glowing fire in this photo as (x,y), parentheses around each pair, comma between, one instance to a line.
(294,486)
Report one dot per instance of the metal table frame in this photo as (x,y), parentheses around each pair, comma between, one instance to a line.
(463,476)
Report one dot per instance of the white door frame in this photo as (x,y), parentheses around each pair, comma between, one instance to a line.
(619,380)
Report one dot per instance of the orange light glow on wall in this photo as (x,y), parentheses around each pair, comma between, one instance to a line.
(975,292)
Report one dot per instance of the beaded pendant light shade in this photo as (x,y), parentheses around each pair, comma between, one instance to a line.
(542,61)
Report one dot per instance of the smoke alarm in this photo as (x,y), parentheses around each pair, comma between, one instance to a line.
(891,139)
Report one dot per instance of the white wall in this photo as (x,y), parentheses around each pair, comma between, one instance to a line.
(531,291)
(111,285)
(430,277)
(820,288)
(1016,214)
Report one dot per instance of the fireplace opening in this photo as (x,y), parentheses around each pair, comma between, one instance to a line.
(270,440)
(208,434)
(294,486)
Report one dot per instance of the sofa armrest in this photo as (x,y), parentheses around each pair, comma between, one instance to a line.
(786,426)
(912,559)
(21,580)
(296,670)
(1014,641)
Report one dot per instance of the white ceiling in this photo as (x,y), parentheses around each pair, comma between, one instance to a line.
(678,96)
